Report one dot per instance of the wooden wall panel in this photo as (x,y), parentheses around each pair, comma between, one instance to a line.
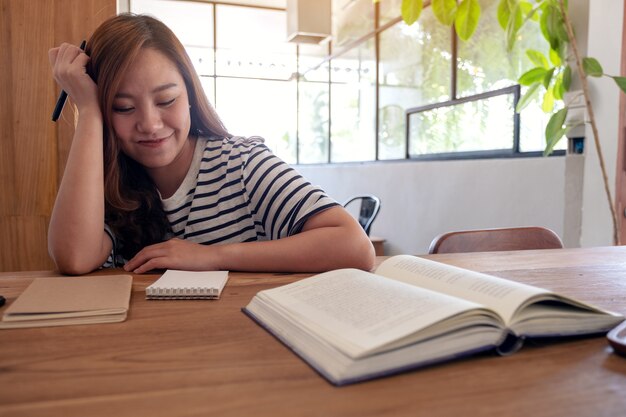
(32,92)
(33,149)
(90,14)
(7,172)
(21,246)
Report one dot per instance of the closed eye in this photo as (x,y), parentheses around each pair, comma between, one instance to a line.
(123,109)
(167,103)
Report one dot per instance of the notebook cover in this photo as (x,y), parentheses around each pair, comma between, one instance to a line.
(70,300)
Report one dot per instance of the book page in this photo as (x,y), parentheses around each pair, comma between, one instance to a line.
(361,310)
(501,295)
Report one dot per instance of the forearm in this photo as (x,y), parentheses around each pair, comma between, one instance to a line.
(330,240)
(315,250)
(76,237)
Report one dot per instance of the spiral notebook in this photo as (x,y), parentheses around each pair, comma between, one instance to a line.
(188,285)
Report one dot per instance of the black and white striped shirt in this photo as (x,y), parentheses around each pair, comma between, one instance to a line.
(236,190)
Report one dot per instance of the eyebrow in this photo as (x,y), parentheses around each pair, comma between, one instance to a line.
(156,90)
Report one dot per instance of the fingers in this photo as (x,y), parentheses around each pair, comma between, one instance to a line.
(172,254)
(151,257)
(67,60)
(69,71)
(52,55)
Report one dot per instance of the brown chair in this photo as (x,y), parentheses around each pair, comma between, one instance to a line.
(501,239)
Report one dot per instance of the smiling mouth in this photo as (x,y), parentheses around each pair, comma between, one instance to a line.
(153,142)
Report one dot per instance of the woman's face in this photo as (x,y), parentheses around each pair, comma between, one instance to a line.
(151,117)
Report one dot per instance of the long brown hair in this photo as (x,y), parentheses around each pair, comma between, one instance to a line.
(132,204)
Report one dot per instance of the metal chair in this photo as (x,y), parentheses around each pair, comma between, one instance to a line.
(370,206)
(498,239)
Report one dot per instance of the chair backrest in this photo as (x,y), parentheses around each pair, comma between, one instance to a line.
(370,206)
(500,239)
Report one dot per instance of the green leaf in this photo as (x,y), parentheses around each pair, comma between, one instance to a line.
(548,101)
(537,58)
(532,76)
(555,129)
(548,77)
(543,22)
(467,17)
(567,77)
(550,144)
(527,98)
(554,27)
(555,58)
(556,122)
(558,89)
(529,11)
(592,67)
(514,24)
(444,11)
(411,10)
(504,12)
(621,83)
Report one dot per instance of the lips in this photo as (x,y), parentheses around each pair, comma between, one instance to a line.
(153,142)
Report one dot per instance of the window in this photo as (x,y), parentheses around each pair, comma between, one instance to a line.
(246,69)
(414,70)
(482,124)
(381,90)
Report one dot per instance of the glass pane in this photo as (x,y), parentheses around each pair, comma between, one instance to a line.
(192,22)
(251,43)
(208,85)
(313,122)
(353,103)
(389,10)
(260,108)
(414,70)
(351,20)
(313,96)
(533,123)
(473,126)
(311,63)
(484,63)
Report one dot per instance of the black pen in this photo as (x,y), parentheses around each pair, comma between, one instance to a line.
(63,96)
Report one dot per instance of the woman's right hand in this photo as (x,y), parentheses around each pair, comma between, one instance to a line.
(69,71)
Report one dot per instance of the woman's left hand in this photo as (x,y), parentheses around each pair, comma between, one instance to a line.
(174,254)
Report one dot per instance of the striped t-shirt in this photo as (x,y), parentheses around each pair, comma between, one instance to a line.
(236,190)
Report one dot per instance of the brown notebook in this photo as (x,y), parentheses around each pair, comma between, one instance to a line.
(63,301)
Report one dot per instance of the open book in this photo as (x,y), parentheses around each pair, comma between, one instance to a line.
(352,325)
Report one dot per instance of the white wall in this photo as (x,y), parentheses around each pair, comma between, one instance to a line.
(604,43)
(423,199)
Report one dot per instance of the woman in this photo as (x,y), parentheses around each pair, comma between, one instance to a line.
(175,190)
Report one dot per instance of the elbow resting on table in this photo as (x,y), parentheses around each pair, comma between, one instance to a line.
(72,262)
(71,266)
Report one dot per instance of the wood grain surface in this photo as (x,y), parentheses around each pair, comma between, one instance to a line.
(197,358)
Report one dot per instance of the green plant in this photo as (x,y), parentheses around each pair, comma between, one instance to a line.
(552,74)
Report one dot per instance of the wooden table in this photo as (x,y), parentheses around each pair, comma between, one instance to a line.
(198,358)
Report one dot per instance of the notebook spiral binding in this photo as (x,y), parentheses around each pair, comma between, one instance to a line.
(185,293)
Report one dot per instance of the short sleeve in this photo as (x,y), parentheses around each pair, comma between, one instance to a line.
(114,260)
(280,198)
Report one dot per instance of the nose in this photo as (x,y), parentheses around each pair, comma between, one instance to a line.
(149,120)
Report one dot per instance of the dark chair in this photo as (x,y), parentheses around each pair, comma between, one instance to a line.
(370,206)
(500,239)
